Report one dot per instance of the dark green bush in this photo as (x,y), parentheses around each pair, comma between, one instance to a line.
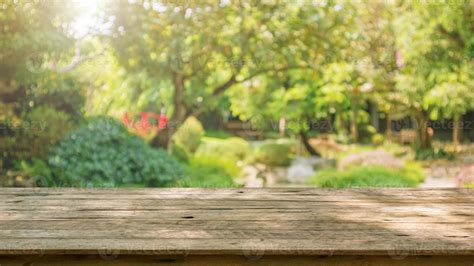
(104,154)
(38,172)
(370,176)
(210,172)
(273,154)
(432,153)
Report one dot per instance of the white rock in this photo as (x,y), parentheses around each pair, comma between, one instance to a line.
(299,173)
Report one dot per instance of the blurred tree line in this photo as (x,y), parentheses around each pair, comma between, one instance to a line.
(263,60)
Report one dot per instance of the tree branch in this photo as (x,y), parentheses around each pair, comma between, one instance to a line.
(455,36)
(222,88)
(76,60)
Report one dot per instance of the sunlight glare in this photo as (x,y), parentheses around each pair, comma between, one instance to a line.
(88,19)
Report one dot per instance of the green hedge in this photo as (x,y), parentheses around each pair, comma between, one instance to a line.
(233,148)
(371,176)
(273,153)
(189,135)
(210,172)
(104,154)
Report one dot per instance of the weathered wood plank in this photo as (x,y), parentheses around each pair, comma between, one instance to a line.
(237,222)
(250,259)
(239,215)
(220,246)
(186,224)
(138,233)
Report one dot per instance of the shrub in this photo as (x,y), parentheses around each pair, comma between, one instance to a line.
(210,172)
(378,139)
(180,154)
(103,153)
(217,134)
(233,148)
(371,176)
(273,154)
(189,134)
(53,125)
(38,172)
(37,132)
(366,132)
(432,153)
(414,170)
(371,158)
(238,147)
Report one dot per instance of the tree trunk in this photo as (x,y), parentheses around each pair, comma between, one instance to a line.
(388,131)
(282,126)
(374,116)
(354,116)
(309,148)
(341,125)
(457,130)
(423,134)
(164,138)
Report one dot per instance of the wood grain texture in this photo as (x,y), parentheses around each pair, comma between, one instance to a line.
(233,260)
(237,222)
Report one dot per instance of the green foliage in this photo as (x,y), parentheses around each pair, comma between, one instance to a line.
(362,177)
(52,126)
(217,134)
(103,153)
(33,135)
(210,172)
(366,131)
(61,92)
(38,171)
(272,153)
(189,135)
(414,170)
(378,139)
(233,148)
(180,154)
(432,153)
(265,61)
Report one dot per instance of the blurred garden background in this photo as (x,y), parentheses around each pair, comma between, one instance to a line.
(236,93)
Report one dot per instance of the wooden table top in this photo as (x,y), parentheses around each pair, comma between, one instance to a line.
(290,221)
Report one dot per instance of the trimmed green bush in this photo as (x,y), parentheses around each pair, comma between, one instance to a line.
(378,139)
(180,154)
(273,154)
(189,135)
(104,154)
(210,172)
(363,177)
(232,148)
(414,170)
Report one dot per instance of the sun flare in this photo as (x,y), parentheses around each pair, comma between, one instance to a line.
(88,17)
